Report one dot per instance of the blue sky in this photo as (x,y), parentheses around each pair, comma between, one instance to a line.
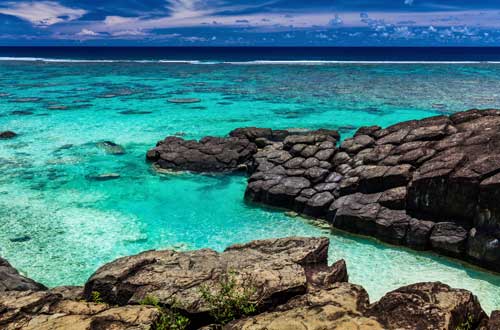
(247,23)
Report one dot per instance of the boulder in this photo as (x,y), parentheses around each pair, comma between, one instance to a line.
(338,308)
(427,306)
(11,280)
(277,269)
(494,321)
(449,238)
(210,154)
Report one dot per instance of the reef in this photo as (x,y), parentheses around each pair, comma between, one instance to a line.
(289,282)
(430,184)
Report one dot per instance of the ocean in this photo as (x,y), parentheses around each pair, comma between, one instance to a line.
(58,224)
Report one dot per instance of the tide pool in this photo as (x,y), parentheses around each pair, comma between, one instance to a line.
(57,225)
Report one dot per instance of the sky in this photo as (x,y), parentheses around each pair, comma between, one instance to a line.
(251,23)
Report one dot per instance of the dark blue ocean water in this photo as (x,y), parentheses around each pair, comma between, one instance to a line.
(259,53)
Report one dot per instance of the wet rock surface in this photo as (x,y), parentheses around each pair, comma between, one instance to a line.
(426,184)
(293,288)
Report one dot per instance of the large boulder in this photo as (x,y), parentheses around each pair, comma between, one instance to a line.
(339,308)
(11,280)
(277,269)
(423,306)
(210,154)
(427,306)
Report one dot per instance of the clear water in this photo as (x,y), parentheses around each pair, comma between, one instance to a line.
(57,226)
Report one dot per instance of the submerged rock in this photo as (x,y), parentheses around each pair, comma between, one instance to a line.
(185,100)
(104,177)
(7,135)
(111,148)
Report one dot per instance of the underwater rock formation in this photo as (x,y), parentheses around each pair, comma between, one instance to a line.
(7,135)
(426,184)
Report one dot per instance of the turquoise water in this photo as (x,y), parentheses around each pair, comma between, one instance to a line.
(58,226)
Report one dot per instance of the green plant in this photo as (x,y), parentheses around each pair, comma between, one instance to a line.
(229,301)
(95,297)
(169,319)
(466,325)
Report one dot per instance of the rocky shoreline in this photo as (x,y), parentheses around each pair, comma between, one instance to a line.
(430,184)
(289,285)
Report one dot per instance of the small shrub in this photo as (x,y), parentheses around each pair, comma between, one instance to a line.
(229,301)
(170,319)
(95,297)
(466,325)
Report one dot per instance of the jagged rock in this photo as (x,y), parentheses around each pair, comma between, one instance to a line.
(427,306)
(415,174)
(210,154)
(44,310)
(293,288)
(11,280)
(318,204)
(7,135)
(338,308)
(278,269)
(449,238)
(419,233)
(484,247)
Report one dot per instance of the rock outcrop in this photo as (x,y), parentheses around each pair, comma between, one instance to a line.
(292,288)
(11,280)
(44,310)
(428,306)
(278,269)
(426,184)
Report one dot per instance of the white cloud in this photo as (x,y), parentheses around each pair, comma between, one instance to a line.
(87,33)
(409,2)
(41,13)
(133,32)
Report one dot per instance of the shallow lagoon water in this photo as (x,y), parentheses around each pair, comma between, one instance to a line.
(57,226)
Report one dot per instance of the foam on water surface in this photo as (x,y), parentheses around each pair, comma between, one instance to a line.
(58,225)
